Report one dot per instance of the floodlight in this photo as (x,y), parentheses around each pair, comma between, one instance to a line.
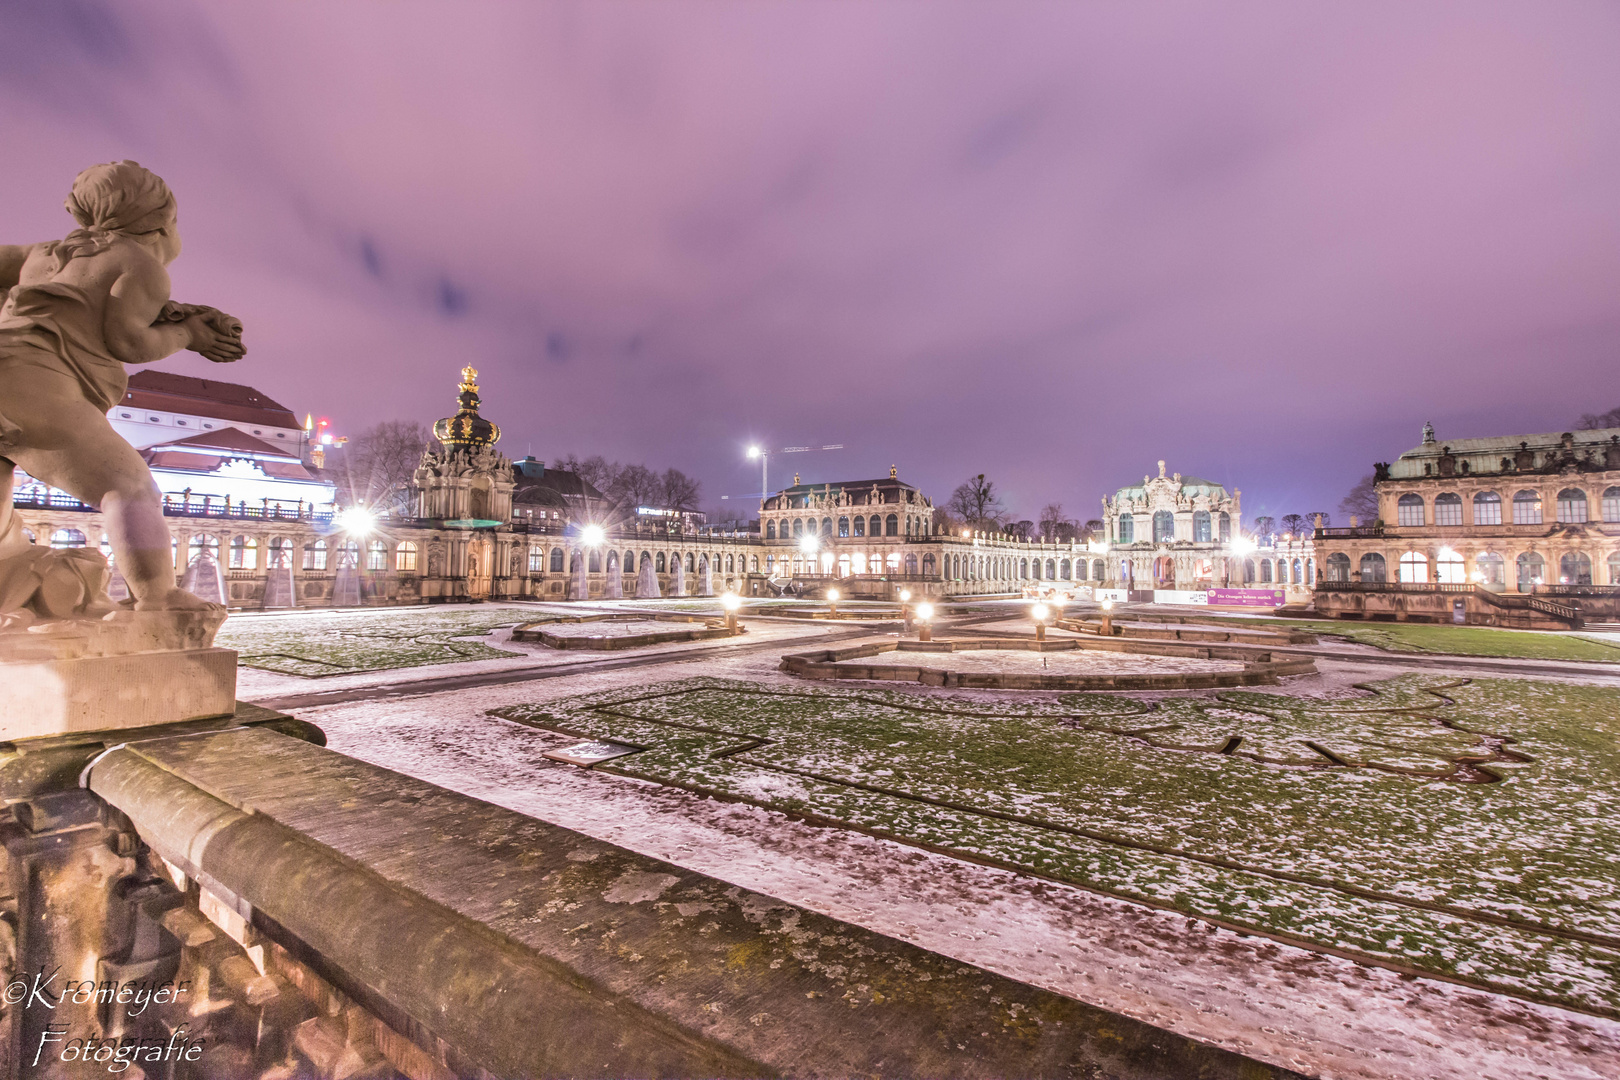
(592,535)
(357,520)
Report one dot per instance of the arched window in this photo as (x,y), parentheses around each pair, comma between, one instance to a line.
(893,562)
(593,563)
(1035,569)
(1572,510)
(1487,508)
(1614,568)
(874,527)
(843,526)
(659,566)
(798,527)
(1051,569)
(928,564)
(826,526)
(1448,508)
(1023,568)
(537,560)
(860,525)
(1448,568)
(1127,528)
(315,555)
(729,563)
(405,557)
(1611,504)
(753,564)
(612,561)
(557,557)
(1527,507)
(1372,567)
(629,562)
(1226,527)
(1575,568)
(1337,567)
(1414,566)
(892,525)
(1532,570)
(1248,571)
(1299,572)
(281,552)
(1488,565)
(1201,534)
(1065,571)
(349,555)
(73,538)
(770,565)
(644,559)
(1265,571)
(1164,526)
(1098,570)
(770,530)
(911,563)
(244,552)
(1409,511)
(201,544)
(691,563)
(376,555)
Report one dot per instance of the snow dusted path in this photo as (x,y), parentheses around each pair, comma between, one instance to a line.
(1318,1015)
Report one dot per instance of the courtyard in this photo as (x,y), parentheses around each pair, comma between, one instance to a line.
(1429,851)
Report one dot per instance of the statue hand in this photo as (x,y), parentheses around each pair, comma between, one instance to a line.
(215,336)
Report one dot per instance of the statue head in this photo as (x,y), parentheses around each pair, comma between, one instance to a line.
(121,198)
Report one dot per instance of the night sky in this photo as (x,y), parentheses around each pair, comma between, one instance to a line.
(1048,242)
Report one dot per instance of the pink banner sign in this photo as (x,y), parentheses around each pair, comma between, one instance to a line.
(1246,597)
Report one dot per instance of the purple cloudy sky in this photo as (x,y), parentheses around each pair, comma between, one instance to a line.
(1049,242)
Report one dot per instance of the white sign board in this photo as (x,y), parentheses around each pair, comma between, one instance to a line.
(1179,596)
(1119,596)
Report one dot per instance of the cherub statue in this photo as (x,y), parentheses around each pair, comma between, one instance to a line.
(76,311)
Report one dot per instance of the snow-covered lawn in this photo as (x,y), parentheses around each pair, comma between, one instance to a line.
(1463,828)
(341,642)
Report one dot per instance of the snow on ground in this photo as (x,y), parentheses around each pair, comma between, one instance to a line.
(617,629)
(1055,663)
(1318,1015)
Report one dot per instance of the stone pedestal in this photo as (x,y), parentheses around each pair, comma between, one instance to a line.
(131,669)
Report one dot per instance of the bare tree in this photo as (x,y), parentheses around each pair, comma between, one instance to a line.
(377,465)
(1293,524)
(977,504)
(1310,519)
(1053,520)
(1094,529)
(679,491)
(1362,500)
(1265,528)
(1022,529)
(1594,421)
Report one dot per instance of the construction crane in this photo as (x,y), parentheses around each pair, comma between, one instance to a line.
(764,456)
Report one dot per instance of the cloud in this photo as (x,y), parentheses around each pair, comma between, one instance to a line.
(1052,243)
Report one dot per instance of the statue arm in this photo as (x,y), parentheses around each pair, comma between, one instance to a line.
(142,325)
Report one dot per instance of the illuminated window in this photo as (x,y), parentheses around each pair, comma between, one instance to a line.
(1611,504)
(860,525)
(1201,530)
(315,555)
(1572,510)
(244,553)
(1575,568)
(1448,568)
(1490,568)
(1414,566)
(1487,508)
(67,538)
(405,557)
(1532,570)
(1527,508)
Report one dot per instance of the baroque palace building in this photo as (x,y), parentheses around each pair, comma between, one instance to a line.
(1513,530)
(254,526)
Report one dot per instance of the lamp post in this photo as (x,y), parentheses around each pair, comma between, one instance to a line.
(731,602)
(1108,618)
(832,603)
(925,613)
(1040,612)
(905,611)
(764,471)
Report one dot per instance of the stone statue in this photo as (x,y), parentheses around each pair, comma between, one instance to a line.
(76,312)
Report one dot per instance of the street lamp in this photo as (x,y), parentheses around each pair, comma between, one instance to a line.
(1040,612)
(764,467)
(357,520)
(731,602)
(592,535)
(832,601)
(925,612)
(1108,618)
